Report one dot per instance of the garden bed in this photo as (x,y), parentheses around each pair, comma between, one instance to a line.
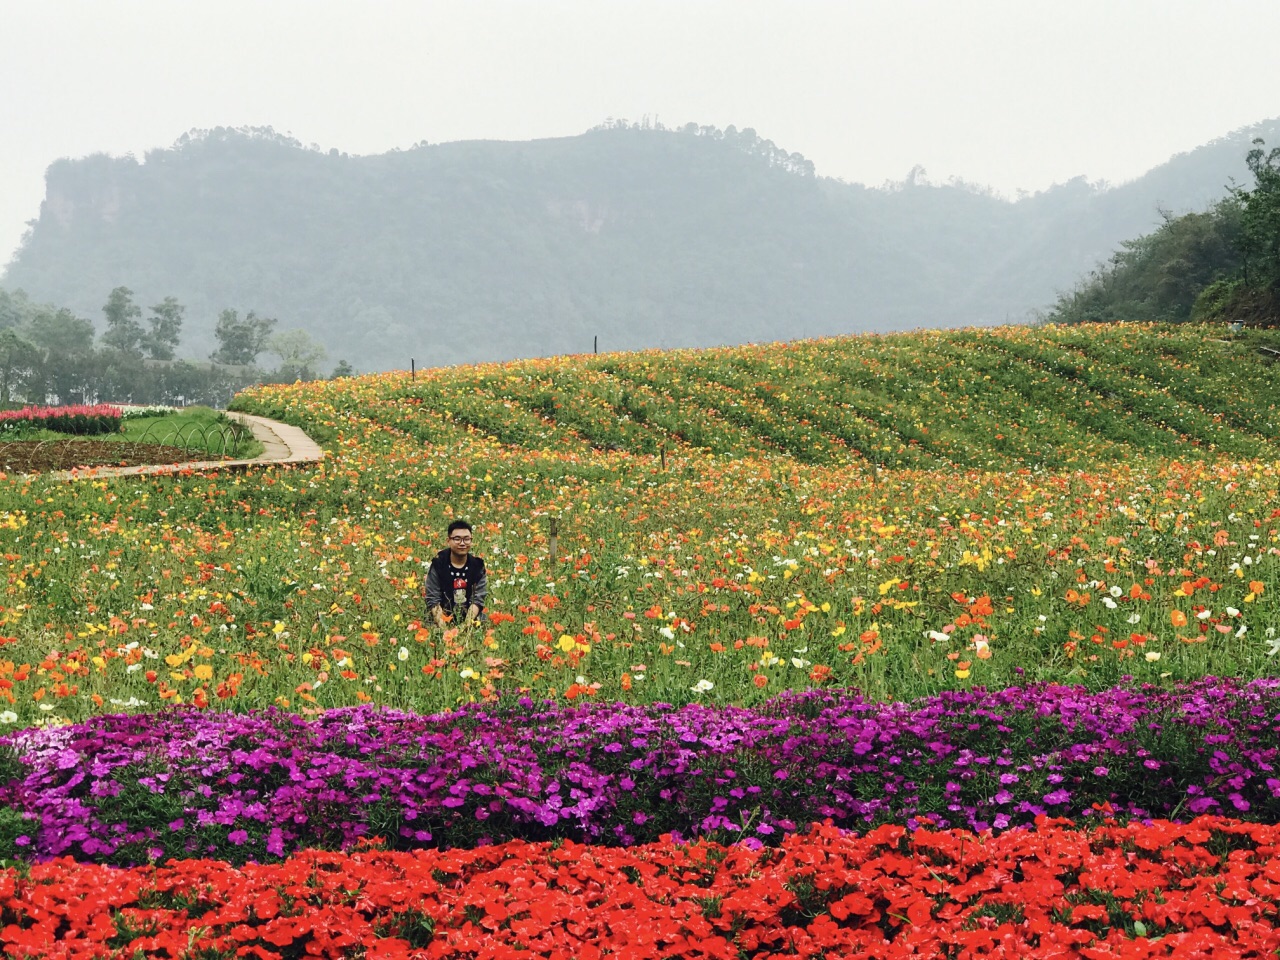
(259,786)
(39,456)
(1136,891)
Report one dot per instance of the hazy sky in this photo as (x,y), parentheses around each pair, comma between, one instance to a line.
(1017,94)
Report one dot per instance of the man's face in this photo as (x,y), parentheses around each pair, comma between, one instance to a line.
(460,543)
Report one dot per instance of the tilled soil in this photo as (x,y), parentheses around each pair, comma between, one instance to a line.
(38,456)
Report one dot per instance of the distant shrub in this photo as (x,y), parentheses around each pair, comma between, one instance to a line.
(141,413)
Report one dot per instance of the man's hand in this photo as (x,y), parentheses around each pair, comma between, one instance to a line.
(473,614)
(441,620)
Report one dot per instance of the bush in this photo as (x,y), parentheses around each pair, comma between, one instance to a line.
(1232,300)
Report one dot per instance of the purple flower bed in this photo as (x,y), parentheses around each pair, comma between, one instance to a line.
(124,789)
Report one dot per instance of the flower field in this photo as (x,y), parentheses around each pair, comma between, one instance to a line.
(963,581)
(753,550)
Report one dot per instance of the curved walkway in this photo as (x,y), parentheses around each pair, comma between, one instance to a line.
(281,443)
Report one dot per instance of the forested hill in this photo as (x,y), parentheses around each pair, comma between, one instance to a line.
(645,238)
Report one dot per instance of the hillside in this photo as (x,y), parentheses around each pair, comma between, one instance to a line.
(1221,265)
(1001,398)
(475,251)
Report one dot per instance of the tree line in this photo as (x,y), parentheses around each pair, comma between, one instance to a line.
(48,354)
(1219,265)
(745,140)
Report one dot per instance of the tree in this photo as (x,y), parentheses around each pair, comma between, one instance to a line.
(241,340)
(298,354)
(59,333)
(342,369)
(124,331)
(1251,295)
(13,308)
(1260,219)
(166,324)
(18,360)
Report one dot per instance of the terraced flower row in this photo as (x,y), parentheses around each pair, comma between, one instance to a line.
(1158,890)
(998,398)
(262,785)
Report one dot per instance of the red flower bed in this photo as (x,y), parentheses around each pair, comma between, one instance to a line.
(78,419)
(1164,890)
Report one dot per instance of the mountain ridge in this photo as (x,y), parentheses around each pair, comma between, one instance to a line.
(490,250)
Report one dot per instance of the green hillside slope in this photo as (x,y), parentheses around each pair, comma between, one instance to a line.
(997,398)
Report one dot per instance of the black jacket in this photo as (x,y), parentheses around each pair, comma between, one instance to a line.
(444,580)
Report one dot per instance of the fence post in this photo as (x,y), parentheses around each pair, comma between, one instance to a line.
(413,374)
(555,531)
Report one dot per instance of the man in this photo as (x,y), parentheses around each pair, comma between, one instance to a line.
(456,579)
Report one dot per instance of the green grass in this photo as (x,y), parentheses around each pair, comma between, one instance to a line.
(202,431)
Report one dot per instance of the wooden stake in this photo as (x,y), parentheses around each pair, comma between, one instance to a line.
(555,530)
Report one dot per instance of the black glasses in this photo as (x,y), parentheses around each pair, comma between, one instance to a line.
(459,539)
